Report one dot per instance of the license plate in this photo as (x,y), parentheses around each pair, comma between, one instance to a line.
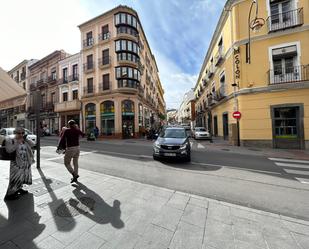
(169,154)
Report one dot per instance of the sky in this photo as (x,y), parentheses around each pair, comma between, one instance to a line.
(178,31)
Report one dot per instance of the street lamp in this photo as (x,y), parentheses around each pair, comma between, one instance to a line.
(256,24)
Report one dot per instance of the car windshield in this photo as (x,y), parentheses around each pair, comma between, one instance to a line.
(173,133)
(200,129)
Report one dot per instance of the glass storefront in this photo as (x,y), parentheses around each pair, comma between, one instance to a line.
(127,108)
(90,117)
(107,110)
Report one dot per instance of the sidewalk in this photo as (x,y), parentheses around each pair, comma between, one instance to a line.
(113,213)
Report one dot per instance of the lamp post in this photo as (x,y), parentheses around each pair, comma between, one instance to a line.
(254,25)
(38,131)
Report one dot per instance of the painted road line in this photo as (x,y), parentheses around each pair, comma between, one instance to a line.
(292,165)
(288,160)
(61,157)
(200,146)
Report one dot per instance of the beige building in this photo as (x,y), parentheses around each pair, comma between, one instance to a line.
(69,106)
(121,90)
(17,116)
(44,77)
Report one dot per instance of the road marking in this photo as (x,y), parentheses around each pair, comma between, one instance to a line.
(293,165)
(200,146)
(61,157)
(296,172)
(288,160)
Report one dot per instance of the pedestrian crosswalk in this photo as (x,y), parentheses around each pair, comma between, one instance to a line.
(298,169)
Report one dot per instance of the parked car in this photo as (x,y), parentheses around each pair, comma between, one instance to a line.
(173,142)
(10,132)
(201,133)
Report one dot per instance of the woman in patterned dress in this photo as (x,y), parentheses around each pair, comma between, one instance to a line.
(20,168)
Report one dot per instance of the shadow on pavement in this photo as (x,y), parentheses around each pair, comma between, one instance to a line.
(102,213)
(18,211)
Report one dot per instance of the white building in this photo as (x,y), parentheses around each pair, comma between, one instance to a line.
(184,111)
(68,104)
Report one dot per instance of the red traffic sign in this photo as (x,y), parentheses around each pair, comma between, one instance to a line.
(237,115)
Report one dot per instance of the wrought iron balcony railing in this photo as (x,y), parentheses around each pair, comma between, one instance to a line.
(87,43)
(285,20)
(289,75)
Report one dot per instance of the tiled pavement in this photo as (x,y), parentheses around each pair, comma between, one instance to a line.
(129,215)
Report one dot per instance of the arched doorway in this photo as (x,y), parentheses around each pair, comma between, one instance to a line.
(107,110)
(128,115)
(90,117)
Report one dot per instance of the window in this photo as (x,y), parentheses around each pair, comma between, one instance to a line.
(43,100)
(285,68)
(89,62)
(53,74)
(280,13)
(65,74)
(105,32)
(90,85)
(65,96)
(105,82)
(89,39)
(53,97)
(75,72)
(105,56)
(222,84)
(285,120)
(75,94)
(125,45)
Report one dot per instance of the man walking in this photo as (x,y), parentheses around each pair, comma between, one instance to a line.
(70,141)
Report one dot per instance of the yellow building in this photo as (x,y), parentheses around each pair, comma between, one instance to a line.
(261,71)
(121,90)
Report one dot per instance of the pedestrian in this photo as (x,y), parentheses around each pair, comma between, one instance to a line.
(70,142)
(63,130)
(20,166)
(96,132)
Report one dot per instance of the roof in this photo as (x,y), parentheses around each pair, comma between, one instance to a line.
(11,94)
(48,57)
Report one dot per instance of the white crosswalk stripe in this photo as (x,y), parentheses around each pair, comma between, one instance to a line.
(298,169)
(200,146)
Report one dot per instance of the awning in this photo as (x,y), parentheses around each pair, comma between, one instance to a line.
(11,94)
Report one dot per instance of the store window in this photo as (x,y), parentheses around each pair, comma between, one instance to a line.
(107,118)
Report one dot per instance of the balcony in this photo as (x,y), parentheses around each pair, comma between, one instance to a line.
(220,94)
(73,77)
(32,87)
(63,81)
(41,83)
(52,79)
(104,37)
(89,91)
(23,76)
(73,105)
(105,87)
(105,62)
(211,100)
(210,72)
(88,43)
(123,33)
(285,20)
(89,67)
(288,75)
(128,62)
(128,87)
(47,107)
(219,56)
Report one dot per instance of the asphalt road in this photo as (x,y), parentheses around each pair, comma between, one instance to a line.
(276,185)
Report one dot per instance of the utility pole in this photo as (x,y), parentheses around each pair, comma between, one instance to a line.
(38,131)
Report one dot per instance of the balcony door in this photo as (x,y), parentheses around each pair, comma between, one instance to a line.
(285,65)
(282,15)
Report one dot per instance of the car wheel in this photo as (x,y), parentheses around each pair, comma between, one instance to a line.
(155,158)
(188,158)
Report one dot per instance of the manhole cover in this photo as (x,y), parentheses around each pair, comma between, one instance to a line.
(74,207)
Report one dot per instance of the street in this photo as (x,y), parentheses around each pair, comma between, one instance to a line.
(276,185)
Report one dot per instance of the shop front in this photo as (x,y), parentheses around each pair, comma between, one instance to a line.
(128,118)
(90,117)
(107,110)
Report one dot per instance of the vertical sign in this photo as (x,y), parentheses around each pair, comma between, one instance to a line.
(237,65)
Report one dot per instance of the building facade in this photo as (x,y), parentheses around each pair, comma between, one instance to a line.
(259,68)
(68,105)
(121,90)
(17,116)
(44,77)
(184,114)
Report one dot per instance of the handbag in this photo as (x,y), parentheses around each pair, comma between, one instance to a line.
(4,155)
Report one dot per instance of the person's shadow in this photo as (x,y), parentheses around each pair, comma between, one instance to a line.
(101,212)
(18,210)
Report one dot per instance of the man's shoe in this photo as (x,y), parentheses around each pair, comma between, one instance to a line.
(74,179)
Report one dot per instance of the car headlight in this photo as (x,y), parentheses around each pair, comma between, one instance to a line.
(184,146)
(157,145)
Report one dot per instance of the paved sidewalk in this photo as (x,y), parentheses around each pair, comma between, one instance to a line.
(113,213)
